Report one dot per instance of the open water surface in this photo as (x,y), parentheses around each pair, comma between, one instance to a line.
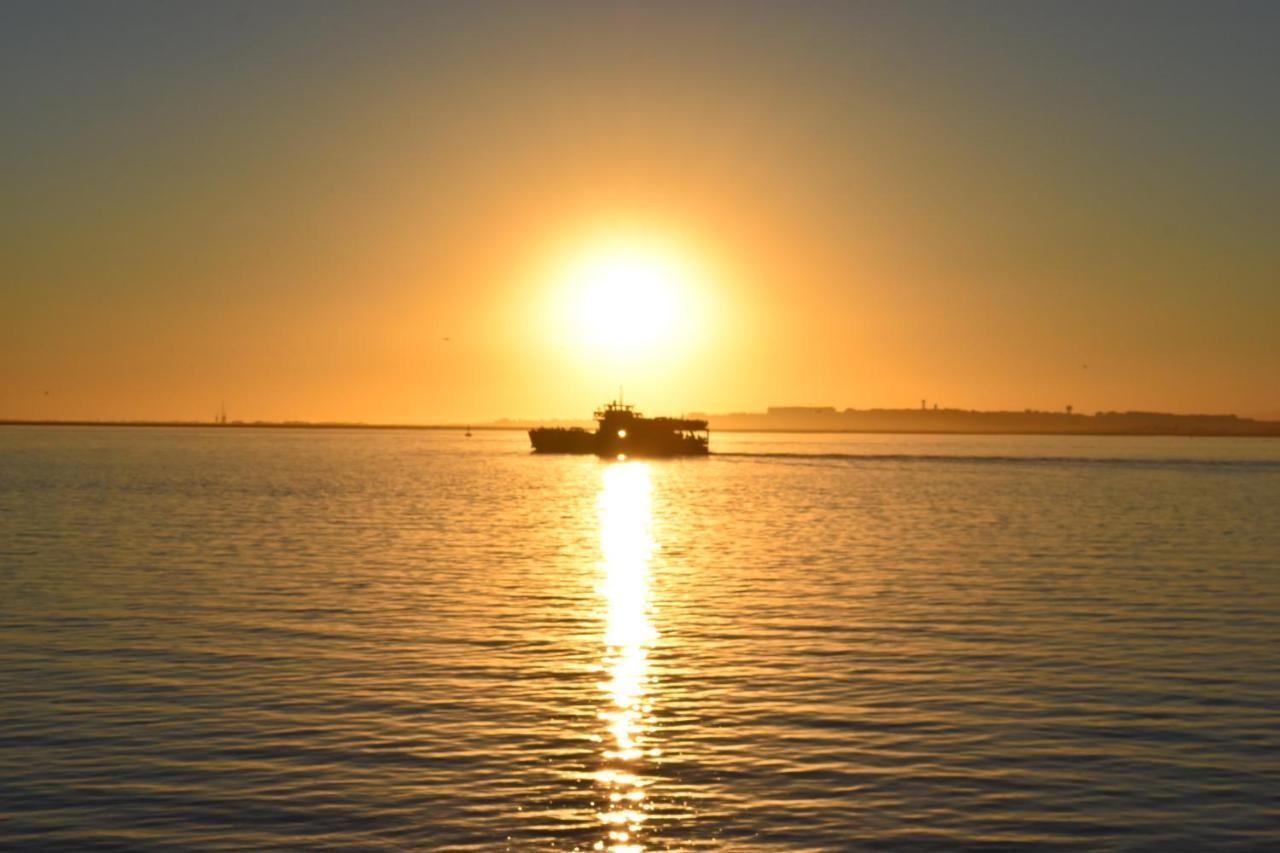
(240,639)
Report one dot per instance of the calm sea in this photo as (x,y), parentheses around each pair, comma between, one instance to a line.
(237,639)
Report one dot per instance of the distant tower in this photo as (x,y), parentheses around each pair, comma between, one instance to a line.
(1069,407)
(923,406)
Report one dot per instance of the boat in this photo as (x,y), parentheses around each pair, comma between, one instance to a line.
(623,433)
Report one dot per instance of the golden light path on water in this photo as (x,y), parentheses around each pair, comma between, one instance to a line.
(626,544)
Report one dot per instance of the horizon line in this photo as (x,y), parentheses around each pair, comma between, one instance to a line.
(1059,423)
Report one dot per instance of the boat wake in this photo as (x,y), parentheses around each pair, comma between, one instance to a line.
(978,459)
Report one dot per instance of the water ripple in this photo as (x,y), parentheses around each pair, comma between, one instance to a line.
(284,640)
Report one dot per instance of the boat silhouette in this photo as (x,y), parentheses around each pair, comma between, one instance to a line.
(622,432)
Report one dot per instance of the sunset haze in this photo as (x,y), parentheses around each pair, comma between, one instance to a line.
(373,212)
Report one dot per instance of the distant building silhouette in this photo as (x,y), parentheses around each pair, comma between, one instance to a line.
(936,419)
(789,411)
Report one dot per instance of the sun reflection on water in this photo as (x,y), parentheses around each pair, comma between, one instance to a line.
(626,543)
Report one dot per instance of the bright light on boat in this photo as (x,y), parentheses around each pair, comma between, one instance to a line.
(622,433)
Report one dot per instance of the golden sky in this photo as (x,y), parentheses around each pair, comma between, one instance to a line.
(444,212)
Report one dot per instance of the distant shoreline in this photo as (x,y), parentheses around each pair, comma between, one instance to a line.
(1169,433)
(256,425)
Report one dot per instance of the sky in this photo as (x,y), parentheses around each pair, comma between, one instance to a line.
(452,212)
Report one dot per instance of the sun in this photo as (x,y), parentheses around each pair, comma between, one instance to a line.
(628,299)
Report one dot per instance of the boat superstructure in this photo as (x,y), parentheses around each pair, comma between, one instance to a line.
(622,432)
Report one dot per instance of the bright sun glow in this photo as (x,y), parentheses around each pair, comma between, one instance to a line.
(628,300)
